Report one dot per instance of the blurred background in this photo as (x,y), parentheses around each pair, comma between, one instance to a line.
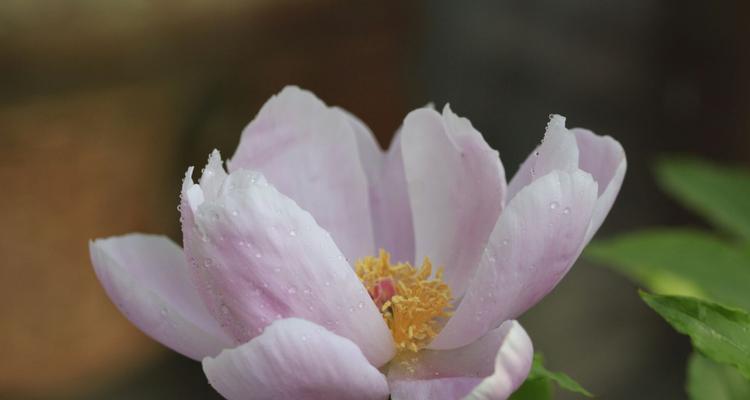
(103,105)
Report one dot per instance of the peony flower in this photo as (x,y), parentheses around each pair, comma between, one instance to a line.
(321,267)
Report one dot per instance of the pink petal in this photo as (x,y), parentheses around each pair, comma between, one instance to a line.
(147,278)
(295,359)
(604,158)
(456,186)
(538,237)
(260,257)
(310,152)
(389,199)
(558,151)
(470,370)
(392,218)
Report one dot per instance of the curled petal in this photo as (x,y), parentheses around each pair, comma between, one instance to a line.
(456,187)
(537,238)
(490,368)
(259,257)
(147,278)
(312,154)
(604,158)
(295,359)
(558,151)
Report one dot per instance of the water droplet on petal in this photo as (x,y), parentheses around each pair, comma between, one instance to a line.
(292,233)
(360,305)
(566,210)
(291,290)
(258,255)
(554,205)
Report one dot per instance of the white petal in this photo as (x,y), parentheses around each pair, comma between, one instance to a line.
(147,278)
(311,153)
(295,359)
(456,187)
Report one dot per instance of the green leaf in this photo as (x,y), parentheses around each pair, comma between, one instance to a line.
(720,194)
(708,380)
(564,381)
(533,389)
(680,262)
(720,333)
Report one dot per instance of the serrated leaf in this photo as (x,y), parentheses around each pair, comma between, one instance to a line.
(538,371)
(720,194)
(680,262)
(720,333)
(708,380)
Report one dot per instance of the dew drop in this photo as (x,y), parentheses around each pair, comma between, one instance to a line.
(360,305)
(554,205)
(327,284)
(303,338)
(292,233)
(291,290)
(258,255)
(566,210)
(224,309)
(505,242)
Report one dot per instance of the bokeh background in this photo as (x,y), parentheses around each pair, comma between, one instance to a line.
(103,105)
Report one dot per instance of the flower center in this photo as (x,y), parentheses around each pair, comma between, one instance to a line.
(411,300)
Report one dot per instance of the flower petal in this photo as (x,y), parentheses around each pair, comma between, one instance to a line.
(295,359)
(469,371)
(148,279)
(558,151)
(456,186)
(310,152)
(392,218)
(604,158)
(389,199)
(537,238)
(258,257)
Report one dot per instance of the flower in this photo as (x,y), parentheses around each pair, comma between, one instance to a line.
(307,270)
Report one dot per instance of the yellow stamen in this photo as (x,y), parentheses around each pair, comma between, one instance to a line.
(412,303)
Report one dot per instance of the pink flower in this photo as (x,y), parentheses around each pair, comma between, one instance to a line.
(281,289)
